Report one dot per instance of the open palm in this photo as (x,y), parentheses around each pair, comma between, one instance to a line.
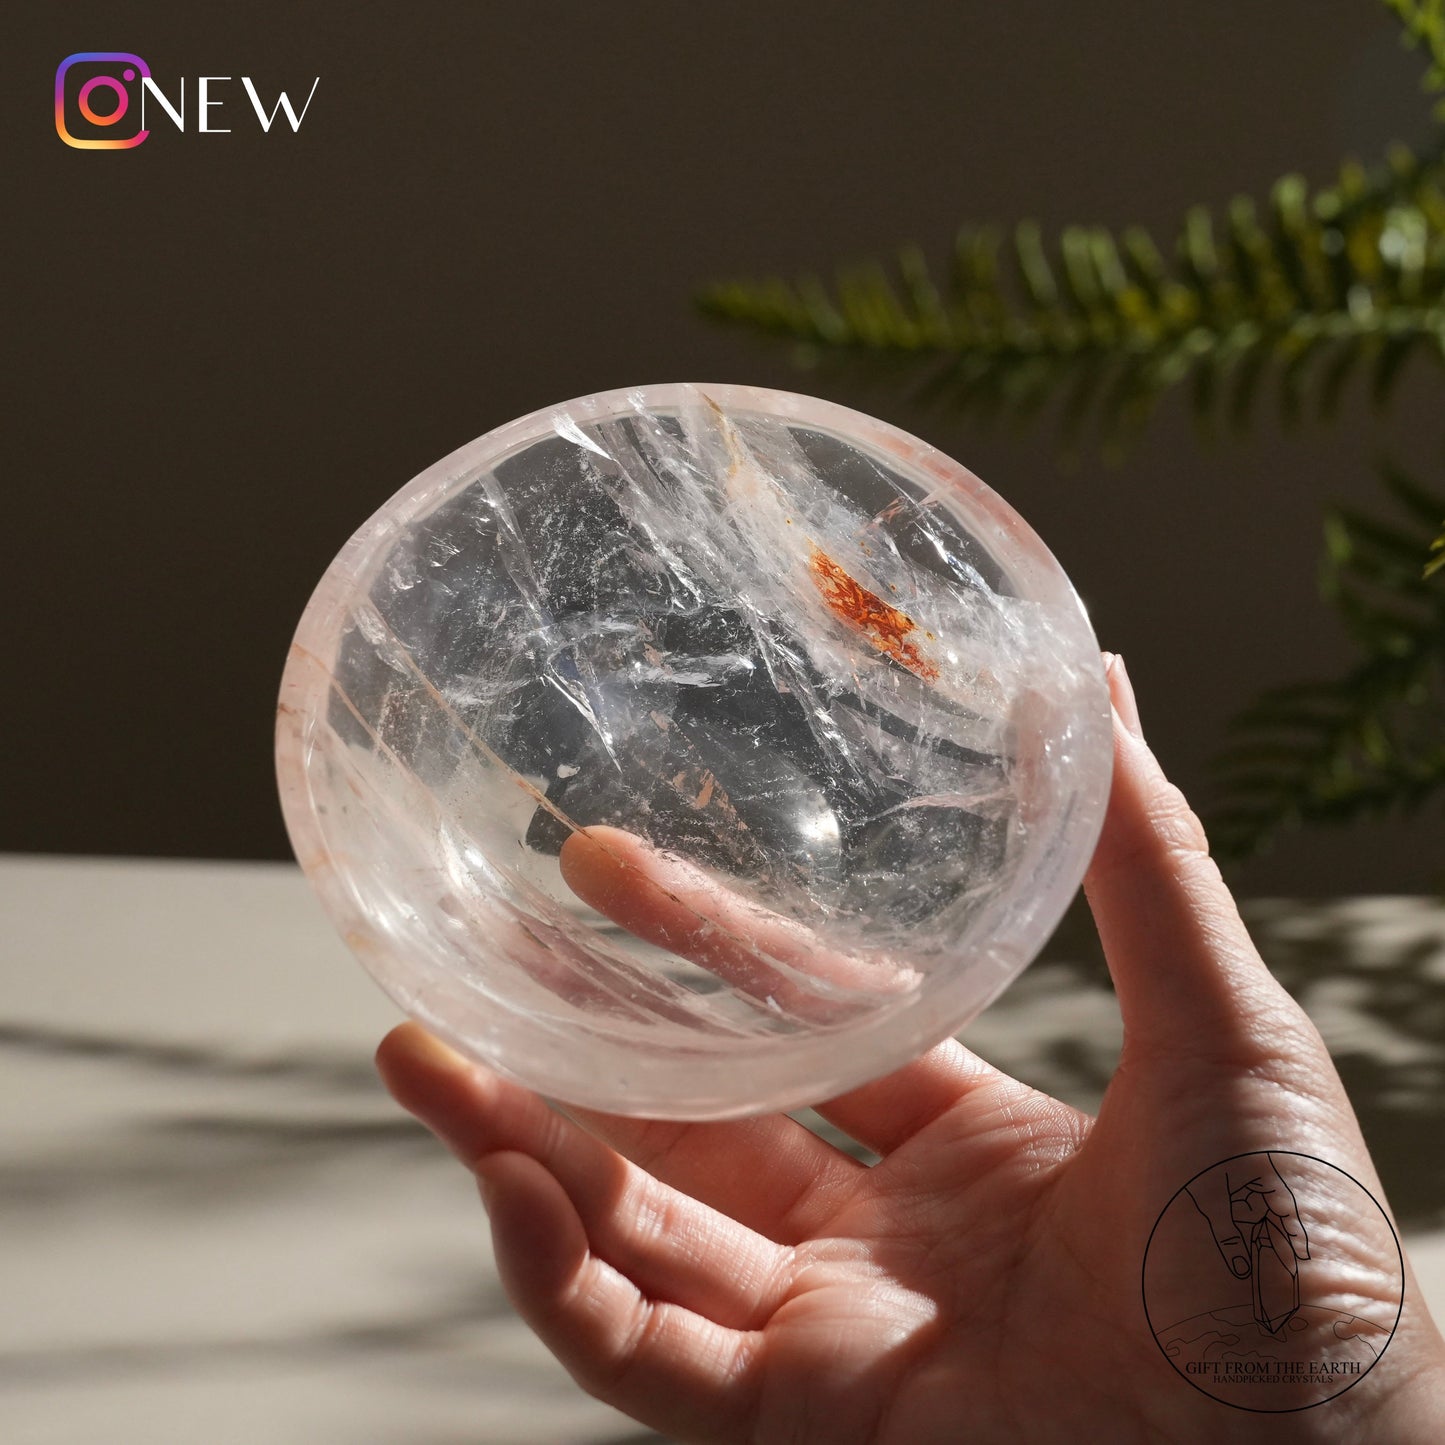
(749,1281)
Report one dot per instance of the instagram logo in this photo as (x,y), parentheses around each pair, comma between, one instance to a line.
(98,100)
(101,95)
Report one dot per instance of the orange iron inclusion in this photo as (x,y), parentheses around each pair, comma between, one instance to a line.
(886,628)
(883,625)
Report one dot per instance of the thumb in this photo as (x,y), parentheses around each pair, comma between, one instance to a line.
(1181,959)
(1212,1201)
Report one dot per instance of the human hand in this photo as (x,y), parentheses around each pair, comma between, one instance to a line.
(1257,1230)
(748,1281)
(1243,1192)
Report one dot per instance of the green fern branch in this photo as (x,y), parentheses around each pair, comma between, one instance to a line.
(1424,27)
(1369,742)
(1437,560)
(1317,289)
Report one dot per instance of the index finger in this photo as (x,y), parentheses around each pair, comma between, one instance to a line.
(667,901)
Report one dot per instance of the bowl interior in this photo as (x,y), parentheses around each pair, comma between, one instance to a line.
(831,713)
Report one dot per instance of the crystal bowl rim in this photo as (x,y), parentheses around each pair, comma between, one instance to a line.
(1026,558)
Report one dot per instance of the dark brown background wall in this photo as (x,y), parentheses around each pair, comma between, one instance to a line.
(225,351)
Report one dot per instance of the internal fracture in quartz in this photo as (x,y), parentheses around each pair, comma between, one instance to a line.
(751,644)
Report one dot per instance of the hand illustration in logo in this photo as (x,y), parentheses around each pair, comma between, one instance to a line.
(1256,1226)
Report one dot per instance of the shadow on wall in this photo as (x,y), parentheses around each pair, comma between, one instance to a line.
(1371,973)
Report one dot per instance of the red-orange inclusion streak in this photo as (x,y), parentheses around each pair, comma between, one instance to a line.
(885,627)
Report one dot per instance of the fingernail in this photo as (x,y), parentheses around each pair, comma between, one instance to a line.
(413,1043)
(1121,693)
(1240,1265)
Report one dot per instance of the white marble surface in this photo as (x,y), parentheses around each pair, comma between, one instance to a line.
(214,1225)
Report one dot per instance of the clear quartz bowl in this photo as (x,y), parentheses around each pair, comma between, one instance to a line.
(830,714)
